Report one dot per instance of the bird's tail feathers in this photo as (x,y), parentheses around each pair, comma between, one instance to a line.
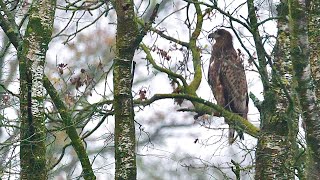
(240,133)
(231,137)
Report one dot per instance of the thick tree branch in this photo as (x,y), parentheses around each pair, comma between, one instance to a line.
(206,107)
(9,26)
(259,46)
(146,26)
(71,130)
(196,58)
(161,69)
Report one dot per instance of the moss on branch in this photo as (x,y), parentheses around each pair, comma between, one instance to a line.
(161,69)
(206,107)
(253,25)
(196,58)
(71,130)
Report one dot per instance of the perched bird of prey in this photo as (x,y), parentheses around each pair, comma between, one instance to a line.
(227,78)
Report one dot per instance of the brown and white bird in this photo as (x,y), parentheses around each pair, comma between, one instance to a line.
(227,78)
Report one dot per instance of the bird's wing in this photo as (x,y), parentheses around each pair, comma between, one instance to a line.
(233,80)
(214,80)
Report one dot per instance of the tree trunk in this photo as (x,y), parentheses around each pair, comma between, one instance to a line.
(301,58)
(275,155)
(313,125)
(314,39)
(31,55)
(126,44)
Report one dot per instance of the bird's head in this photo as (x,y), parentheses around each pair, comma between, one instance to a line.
(220,34)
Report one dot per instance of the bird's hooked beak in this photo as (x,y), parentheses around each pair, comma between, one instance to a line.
(213,35)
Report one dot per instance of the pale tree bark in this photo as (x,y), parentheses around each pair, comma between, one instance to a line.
(275,154)
(126,44)
(304,53)
(31,55)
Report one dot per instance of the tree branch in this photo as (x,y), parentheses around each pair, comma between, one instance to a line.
(9,26)
(207,107)
(161,69)
(196,58)
(70,129)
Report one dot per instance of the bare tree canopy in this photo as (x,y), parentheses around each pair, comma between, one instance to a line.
(121,89)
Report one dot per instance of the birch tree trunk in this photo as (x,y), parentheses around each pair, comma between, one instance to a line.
(31,55)
(125,143)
